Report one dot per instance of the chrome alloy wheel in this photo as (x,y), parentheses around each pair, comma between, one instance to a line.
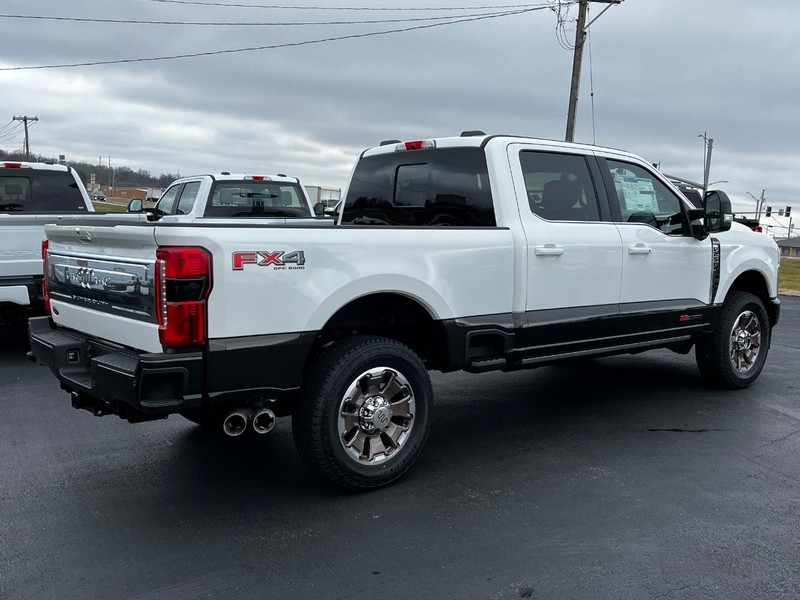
(745,341)
(376,415)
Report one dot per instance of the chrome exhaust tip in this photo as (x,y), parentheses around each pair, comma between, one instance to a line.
(235,422)
(263,421)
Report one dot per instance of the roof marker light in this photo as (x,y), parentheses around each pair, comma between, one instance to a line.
(415,145)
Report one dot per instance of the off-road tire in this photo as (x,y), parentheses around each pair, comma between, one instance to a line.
(318,422)
(717,355)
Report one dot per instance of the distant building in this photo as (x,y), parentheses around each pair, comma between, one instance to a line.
(790,247)
(126,193)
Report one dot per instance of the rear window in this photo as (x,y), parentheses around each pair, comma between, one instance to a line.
(448,186)
(31,191)
(256,199)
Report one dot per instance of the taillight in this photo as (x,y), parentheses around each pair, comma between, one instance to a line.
(758,228)
(183,284)
(45,294)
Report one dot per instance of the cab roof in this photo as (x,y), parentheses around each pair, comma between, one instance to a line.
(41,166)
(473,139)
(226,176)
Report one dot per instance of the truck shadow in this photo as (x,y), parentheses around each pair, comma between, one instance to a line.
(14,338)
(488,430)
(500,410)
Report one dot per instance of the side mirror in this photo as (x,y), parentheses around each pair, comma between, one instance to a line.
(319,209)
(718,215)
(135,206)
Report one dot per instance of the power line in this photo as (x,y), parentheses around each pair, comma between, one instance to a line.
(11,133)
(350,8)
(12,123)
(274,46)
(239,23)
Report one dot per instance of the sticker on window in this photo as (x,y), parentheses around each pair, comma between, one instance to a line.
(637,193)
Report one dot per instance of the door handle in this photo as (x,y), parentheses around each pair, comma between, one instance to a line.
(639,249)
(548,250)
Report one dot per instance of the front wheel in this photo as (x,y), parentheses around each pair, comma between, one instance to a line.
(363,414)
(733,356)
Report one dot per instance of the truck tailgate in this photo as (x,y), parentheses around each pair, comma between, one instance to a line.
(102,282)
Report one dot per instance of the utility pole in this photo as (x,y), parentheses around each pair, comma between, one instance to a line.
(707,166)
(760,202)
(577,60)
(25,120)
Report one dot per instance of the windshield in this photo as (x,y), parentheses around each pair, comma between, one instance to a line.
(257,199)
(40,192)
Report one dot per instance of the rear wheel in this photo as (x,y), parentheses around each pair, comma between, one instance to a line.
(363,414)
(734,355)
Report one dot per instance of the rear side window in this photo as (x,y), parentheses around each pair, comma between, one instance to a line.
(257,199)
(559,186)
(34,191)
(188,196)
(436,187)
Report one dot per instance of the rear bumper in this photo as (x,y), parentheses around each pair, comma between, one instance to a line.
(21,291)
(108,380)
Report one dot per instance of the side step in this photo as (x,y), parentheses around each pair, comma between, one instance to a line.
(487,364)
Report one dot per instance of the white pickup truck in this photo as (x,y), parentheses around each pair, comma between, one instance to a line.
(31,195)
(476,252)
(274,199)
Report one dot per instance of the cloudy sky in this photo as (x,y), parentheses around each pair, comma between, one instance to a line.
(663,72)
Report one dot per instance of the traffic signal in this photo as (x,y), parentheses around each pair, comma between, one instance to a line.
(769,211)
(788,211)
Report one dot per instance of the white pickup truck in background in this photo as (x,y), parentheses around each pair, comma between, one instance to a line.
(476,252)
(275,198)
(31,195)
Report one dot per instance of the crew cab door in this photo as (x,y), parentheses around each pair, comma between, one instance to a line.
(666,272)
(574,250)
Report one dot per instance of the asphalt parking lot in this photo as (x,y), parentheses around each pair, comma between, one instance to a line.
(621,478)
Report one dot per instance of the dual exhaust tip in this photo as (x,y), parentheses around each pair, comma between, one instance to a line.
(236,421)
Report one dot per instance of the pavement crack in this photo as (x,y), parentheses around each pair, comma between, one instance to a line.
(681,430)
(672,591)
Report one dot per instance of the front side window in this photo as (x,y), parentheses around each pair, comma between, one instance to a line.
(166,204)
(644,199)
(559,186)
(430,187)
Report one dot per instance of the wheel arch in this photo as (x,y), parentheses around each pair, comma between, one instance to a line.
(390,314)
(756,283)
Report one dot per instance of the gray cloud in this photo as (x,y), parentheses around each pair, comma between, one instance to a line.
(663,73)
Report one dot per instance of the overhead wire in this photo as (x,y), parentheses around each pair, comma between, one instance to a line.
(348,8)
(561,9)
(236,23)
(12,133)
(276,46)
(8,125)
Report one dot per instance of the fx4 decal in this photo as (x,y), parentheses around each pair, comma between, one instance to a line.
(278,259)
